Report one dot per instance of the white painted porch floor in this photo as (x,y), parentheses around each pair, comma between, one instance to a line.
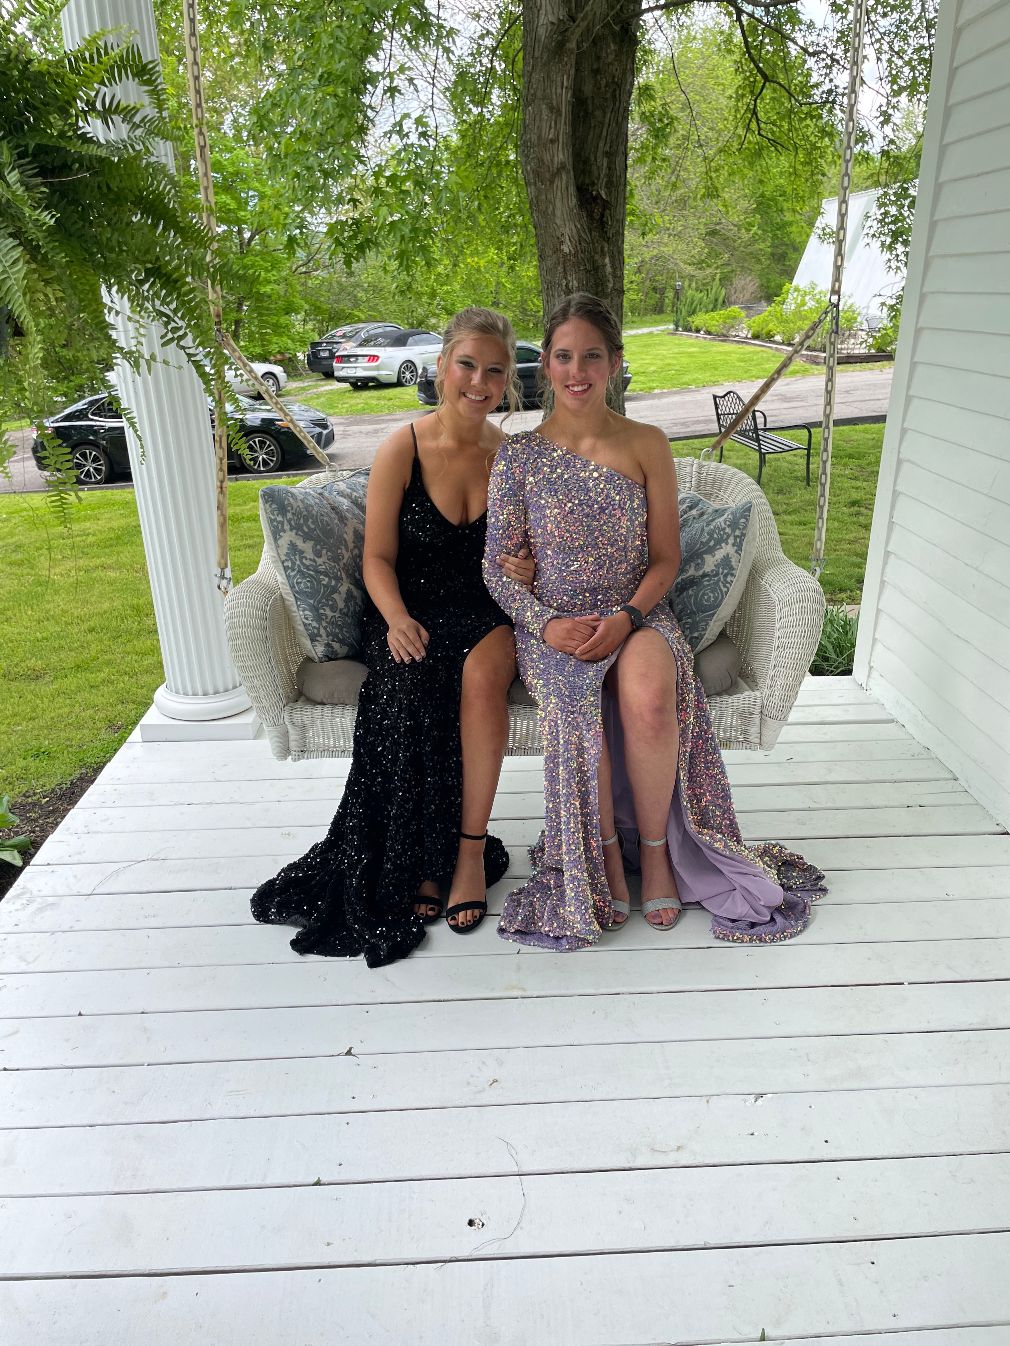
(210,1140)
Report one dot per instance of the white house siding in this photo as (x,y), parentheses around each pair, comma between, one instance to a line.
(934,641)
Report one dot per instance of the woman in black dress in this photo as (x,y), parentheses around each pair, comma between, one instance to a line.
(409,837)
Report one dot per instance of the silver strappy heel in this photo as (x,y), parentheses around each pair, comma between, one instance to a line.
(622,908)
(659,903)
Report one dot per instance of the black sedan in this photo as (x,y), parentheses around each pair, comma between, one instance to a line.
(528,366)
(95,431)
(319,356)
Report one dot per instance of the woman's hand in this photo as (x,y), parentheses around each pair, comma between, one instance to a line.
(608,635)
(568,634)
(521,568)
(407,639)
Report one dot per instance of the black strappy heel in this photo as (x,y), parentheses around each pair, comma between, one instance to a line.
(458,908)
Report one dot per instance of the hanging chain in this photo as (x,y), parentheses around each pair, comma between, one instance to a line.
(835,297)
(192,35)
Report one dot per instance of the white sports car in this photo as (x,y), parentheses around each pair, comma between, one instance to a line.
(272,375)
(397,357)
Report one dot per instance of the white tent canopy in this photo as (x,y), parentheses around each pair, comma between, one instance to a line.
(869,282)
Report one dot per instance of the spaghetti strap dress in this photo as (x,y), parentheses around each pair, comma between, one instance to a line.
(586,525)
(398,820)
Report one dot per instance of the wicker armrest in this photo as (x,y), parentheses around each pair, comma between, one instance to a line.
(264,651)
(776,628)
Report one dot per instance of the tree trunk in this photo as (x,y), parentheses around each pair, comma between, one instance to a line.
(578,76)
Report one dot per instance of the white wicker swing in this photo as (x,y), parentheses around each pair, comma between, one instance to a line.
(775,628)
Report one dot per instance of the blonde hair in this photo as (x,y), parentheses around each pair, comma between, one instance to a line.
(482,322)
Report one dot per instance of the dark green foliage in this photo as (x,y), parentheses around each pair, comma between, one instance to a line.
(720,322)
(837,647)
(78,215)
(11,848)
(886,336)
(725,182)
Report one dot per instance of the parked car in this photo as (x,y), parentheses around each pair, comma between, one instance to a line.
(528,366)
(272,375)
(396,357)
(367,335)
(95,430)
(319,356)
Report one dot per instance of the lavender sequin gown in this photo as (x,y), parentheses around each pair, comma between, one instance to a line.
(586,525)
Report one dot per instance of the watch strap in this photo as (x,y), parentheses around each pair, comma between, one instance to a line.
(637,620)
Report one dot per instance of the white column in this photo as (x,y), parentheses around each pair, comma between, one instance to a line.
(173,475)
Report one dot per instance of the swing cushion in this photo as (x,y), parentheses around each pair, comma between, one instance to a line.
(313,541)
(717,547)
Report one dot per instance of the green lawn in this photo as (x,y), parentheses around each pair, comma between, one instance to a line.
(855,463)
(78,645)
(658,360)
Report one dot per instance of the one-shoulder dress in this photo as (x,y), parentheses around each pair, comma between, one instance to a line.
(398,821)
(586,525)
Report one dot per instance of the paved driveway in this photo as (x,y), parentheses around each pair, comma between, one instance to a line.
(686,413)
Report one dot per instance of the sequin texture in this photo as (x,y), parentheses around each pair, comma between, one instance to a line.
(586,525)
(398,821)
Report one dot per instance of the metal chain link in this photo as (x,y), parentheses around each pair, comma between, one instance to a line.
(835,297)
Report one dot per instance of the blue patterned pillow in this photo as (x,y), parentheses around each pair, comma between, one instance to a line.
(717,546)
(314,538)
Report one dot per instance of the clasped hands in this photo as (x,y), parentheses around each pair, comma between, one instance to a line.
(589,638)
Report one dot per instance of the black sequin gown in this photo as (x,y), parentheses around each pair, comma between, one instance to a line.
(398,821)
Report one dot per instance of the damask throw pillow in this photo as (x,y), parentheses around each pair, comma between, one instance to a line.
(717,545)
(314,538)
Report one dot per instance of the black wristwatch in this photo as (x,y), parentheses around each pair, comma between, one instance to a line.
(637,620)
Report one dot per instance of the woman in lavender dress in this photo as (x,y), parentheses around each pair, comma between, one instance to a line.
(632,770)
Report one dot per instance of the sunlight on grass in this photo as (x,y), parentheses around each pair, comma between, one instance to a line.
(78,645)
(855,463)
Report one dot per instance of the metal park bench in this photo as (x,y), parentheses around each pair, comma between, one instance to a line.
(753,431)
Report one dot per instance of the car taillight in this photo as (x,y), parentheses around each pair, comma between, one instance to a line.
(338,359)
(371,359)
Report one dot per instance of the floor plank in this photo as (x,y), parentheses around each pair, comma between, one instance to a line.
(513,973)
(230,945)
(647,1133)
(477,1078)
(546,1215)
(25,910)
(189,817)
(150,1037)
(66,848)
(896,1285)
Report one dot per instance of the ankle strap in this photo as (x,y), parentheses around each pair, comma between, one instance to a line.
(609,841)
(646,842)
(469,836)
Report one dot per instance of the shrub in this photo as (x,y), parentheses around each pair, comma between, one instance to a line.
(720,322)
(885,338)
(793,311)
(837,648)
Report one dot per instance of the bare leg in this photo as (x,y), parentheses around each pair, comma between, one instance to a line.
(613,863)
(483,727)
(644,679)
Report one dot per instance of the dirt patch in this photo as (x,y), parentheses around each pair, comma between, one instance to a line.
(39,814)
